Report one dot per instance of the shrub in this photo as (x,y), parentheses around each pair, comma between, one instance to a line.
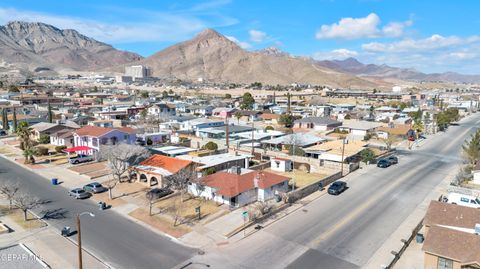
(149,141)
(44,139)
(210,146)
(269,128)
(60,149)
(42,151)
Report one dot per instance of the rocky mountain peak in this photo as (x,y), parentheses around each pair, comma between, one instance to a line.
(273,51)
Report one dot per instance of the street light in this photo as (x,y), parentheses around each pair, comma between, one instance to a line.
(79,237)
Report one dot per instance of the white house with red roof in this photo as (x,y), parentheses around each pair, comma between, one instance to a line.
(236,189)
(92,137)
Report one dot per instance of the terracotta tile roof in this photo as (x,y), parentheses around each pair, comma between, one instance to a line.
(173,165)
(99,131)
(270,116)
(400,129)
(231,185)
(453,244)
(439,213)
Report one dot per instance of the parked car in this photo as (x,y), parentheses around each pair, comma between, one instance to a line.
(392,160)
(94,187)
(383,163)
(411,138)
(157,193)
(462,199)
(3,133)
(80,158)
(337,187)
(78,193)
(140,142)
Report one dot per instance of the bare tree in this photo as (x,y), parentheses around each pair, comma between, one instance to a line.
(389,141)
(9,190)
(179,181)
(120,158)
(25,202)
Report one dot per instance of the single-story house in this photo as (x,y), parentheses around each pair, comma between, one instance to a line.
(224,112)
(158,168)
(218,162)
(236,189)
(301,140)
(316,123)
(359,128)
(46,128)
(451,236)
(220,132)
(94,137)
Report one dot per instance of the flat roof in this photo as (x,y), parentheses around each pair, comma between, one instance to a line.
(174,150)
(20,257)
(213,160)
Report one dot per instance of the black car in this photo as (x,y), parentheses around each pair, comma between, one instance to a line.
(383,163)
(3,133)
(157,193)
(337,187)
(392,160)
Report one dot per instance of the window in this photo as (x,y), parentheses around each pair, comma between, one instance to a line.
(473,202)
(444,263)
(463,199)
(278,164)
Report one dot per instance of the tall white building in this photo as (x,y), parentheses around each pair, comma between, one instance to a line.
(137,71)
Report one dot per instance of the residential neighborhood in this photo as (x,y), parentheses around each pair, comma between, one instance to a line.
(219,151)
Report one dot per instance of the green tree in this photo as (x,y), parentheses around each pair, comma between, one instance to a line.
(144,94)
(210,146)
(50,113)
(164,94)
(5,119)
(24,132)
(13,88)
(209,171)
(44,139)
(286,120)
(367,155)
(269,128)
(238,115)
(228,96)
(14,119)
(471,148)
(28,154)
(247,101)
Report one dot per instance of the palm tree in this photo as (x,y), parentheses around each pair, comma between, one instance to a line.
(23,132)
(418,125)
(238,115)
(28,153)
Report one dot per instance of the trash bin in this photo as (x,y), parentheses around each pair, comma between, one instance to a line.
(66,231)
(102,205)
(54,181)
(419,238)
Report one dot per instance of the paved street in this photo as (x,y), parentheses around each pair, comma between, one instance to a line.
(344,231)
(116,240)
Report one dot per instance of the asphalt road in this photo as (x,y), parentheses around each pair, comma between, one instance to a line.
(345,231)
(116,240)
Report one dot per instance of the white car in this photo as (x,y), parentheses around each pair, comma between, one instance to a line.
(462,199)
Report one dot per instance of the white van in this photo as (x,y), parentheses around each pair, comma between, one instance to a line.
(462,199)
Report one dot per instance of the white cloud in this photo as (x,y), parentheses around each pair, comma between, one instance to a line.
(366,27)
(337,54)
(436,53)
(243,45)
(257,36)
(429,43)
(153,26)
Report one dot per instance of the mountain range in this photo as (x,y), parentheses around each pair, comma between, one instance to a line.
(37,47)
(353,66)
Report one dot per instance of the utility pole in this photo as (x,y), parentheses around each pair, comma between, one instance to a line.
(227,133)
(343,153)
(253,137)
(79,240)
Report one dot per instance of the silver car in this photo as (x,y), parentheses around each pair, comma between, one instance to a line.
(79,193)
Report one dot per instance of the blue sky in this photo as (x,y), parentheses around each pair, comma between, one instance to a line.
(428,35)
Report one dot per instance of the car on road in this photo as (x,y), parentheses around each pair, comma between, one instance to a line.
(78,193)
(462,199)
(383,163)
(392,160)
(157,193)
(94,187)
(3,133)
(411,138)
(337,187)
(80,158)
